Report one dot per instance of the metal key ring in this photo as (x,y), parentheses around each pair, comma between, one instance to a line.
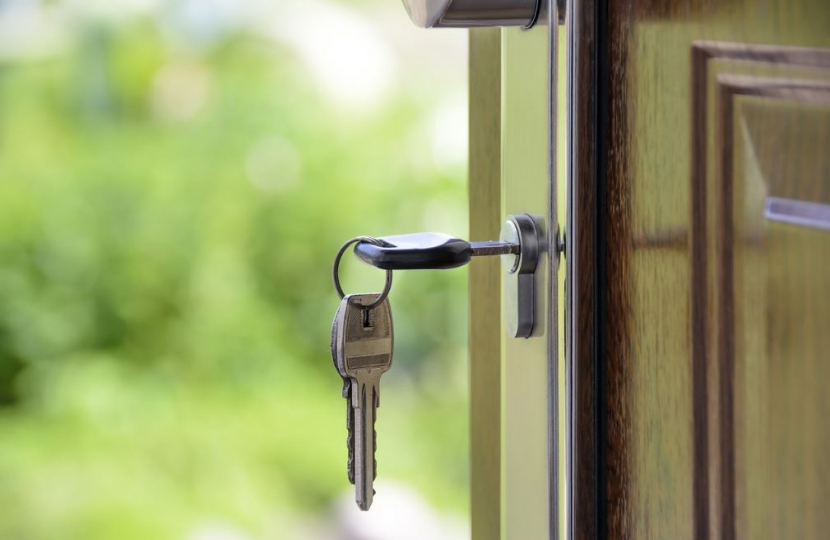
(336,267)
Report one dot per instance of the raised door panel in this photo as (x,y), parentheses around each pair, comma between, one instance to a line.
(761,163)
(775,307)
(710,310)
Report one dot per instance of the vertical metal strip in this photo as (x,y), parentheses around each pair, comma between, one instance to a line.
(570,273)
(553,281)
(570,277)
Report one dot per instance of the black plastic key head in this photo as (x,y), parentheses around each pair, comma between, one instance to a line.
(421,251)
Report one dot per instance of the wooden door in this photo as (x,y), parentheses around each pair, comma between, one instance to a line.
(699,269)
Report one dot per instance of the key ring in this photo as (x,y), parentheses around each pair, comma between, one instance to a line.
(336,267)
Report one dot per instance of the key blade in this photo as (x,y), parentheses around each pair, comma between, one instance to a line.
(365,447)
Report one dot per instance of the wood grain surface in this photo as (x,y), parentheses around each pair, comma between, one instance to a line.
(581,260)
(698,333)
(485,277)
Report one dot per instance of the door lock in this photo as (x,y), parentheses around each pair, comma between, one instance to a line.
(520,245)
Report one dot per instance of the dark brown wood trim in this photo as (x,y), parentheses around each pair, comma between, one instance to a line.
(726,342)
(616,242)
(581,260)
(794,56)
(699,300)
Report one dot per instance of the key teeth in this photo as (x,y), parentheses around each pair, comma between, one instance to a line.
(350,459)
(350,469)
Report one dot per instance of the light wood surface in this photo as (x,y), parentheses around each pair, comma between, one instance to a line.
(700,324)
(485,284)
(526,391)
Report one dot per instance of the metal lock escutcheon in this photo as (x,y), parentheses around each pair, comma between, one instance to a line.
(520,274)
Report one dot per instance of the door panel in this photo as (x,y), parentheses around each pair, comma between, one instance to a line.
(741,154)
(707,268)
(774,306)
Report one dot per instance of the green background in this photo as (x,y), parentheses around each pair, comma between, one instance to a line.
(171,197)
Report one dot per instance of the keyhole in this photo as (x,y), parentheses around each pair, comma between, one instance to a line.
(368,320)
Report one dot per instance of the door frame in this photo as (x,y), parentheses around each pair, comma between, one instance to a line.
(484,278)
(497,507)
(585,255)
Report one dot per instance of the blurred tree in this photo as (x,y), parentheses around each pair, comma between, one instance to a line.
(168,214)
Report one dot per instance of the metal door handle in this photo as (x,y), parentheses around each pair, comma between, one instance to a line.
(475,13)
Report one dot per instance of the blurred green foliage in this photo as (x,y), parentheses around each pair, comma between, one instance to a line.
(165,294)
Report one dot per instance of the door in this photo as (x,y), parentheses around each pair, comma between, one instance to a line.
(689,402)
(698,259)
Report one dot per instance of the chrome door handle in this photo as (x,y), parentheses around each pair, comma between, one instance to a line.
(475,13)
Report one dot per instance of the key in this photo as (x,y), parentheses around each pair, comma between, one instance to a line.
(336,328)
(364,353)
